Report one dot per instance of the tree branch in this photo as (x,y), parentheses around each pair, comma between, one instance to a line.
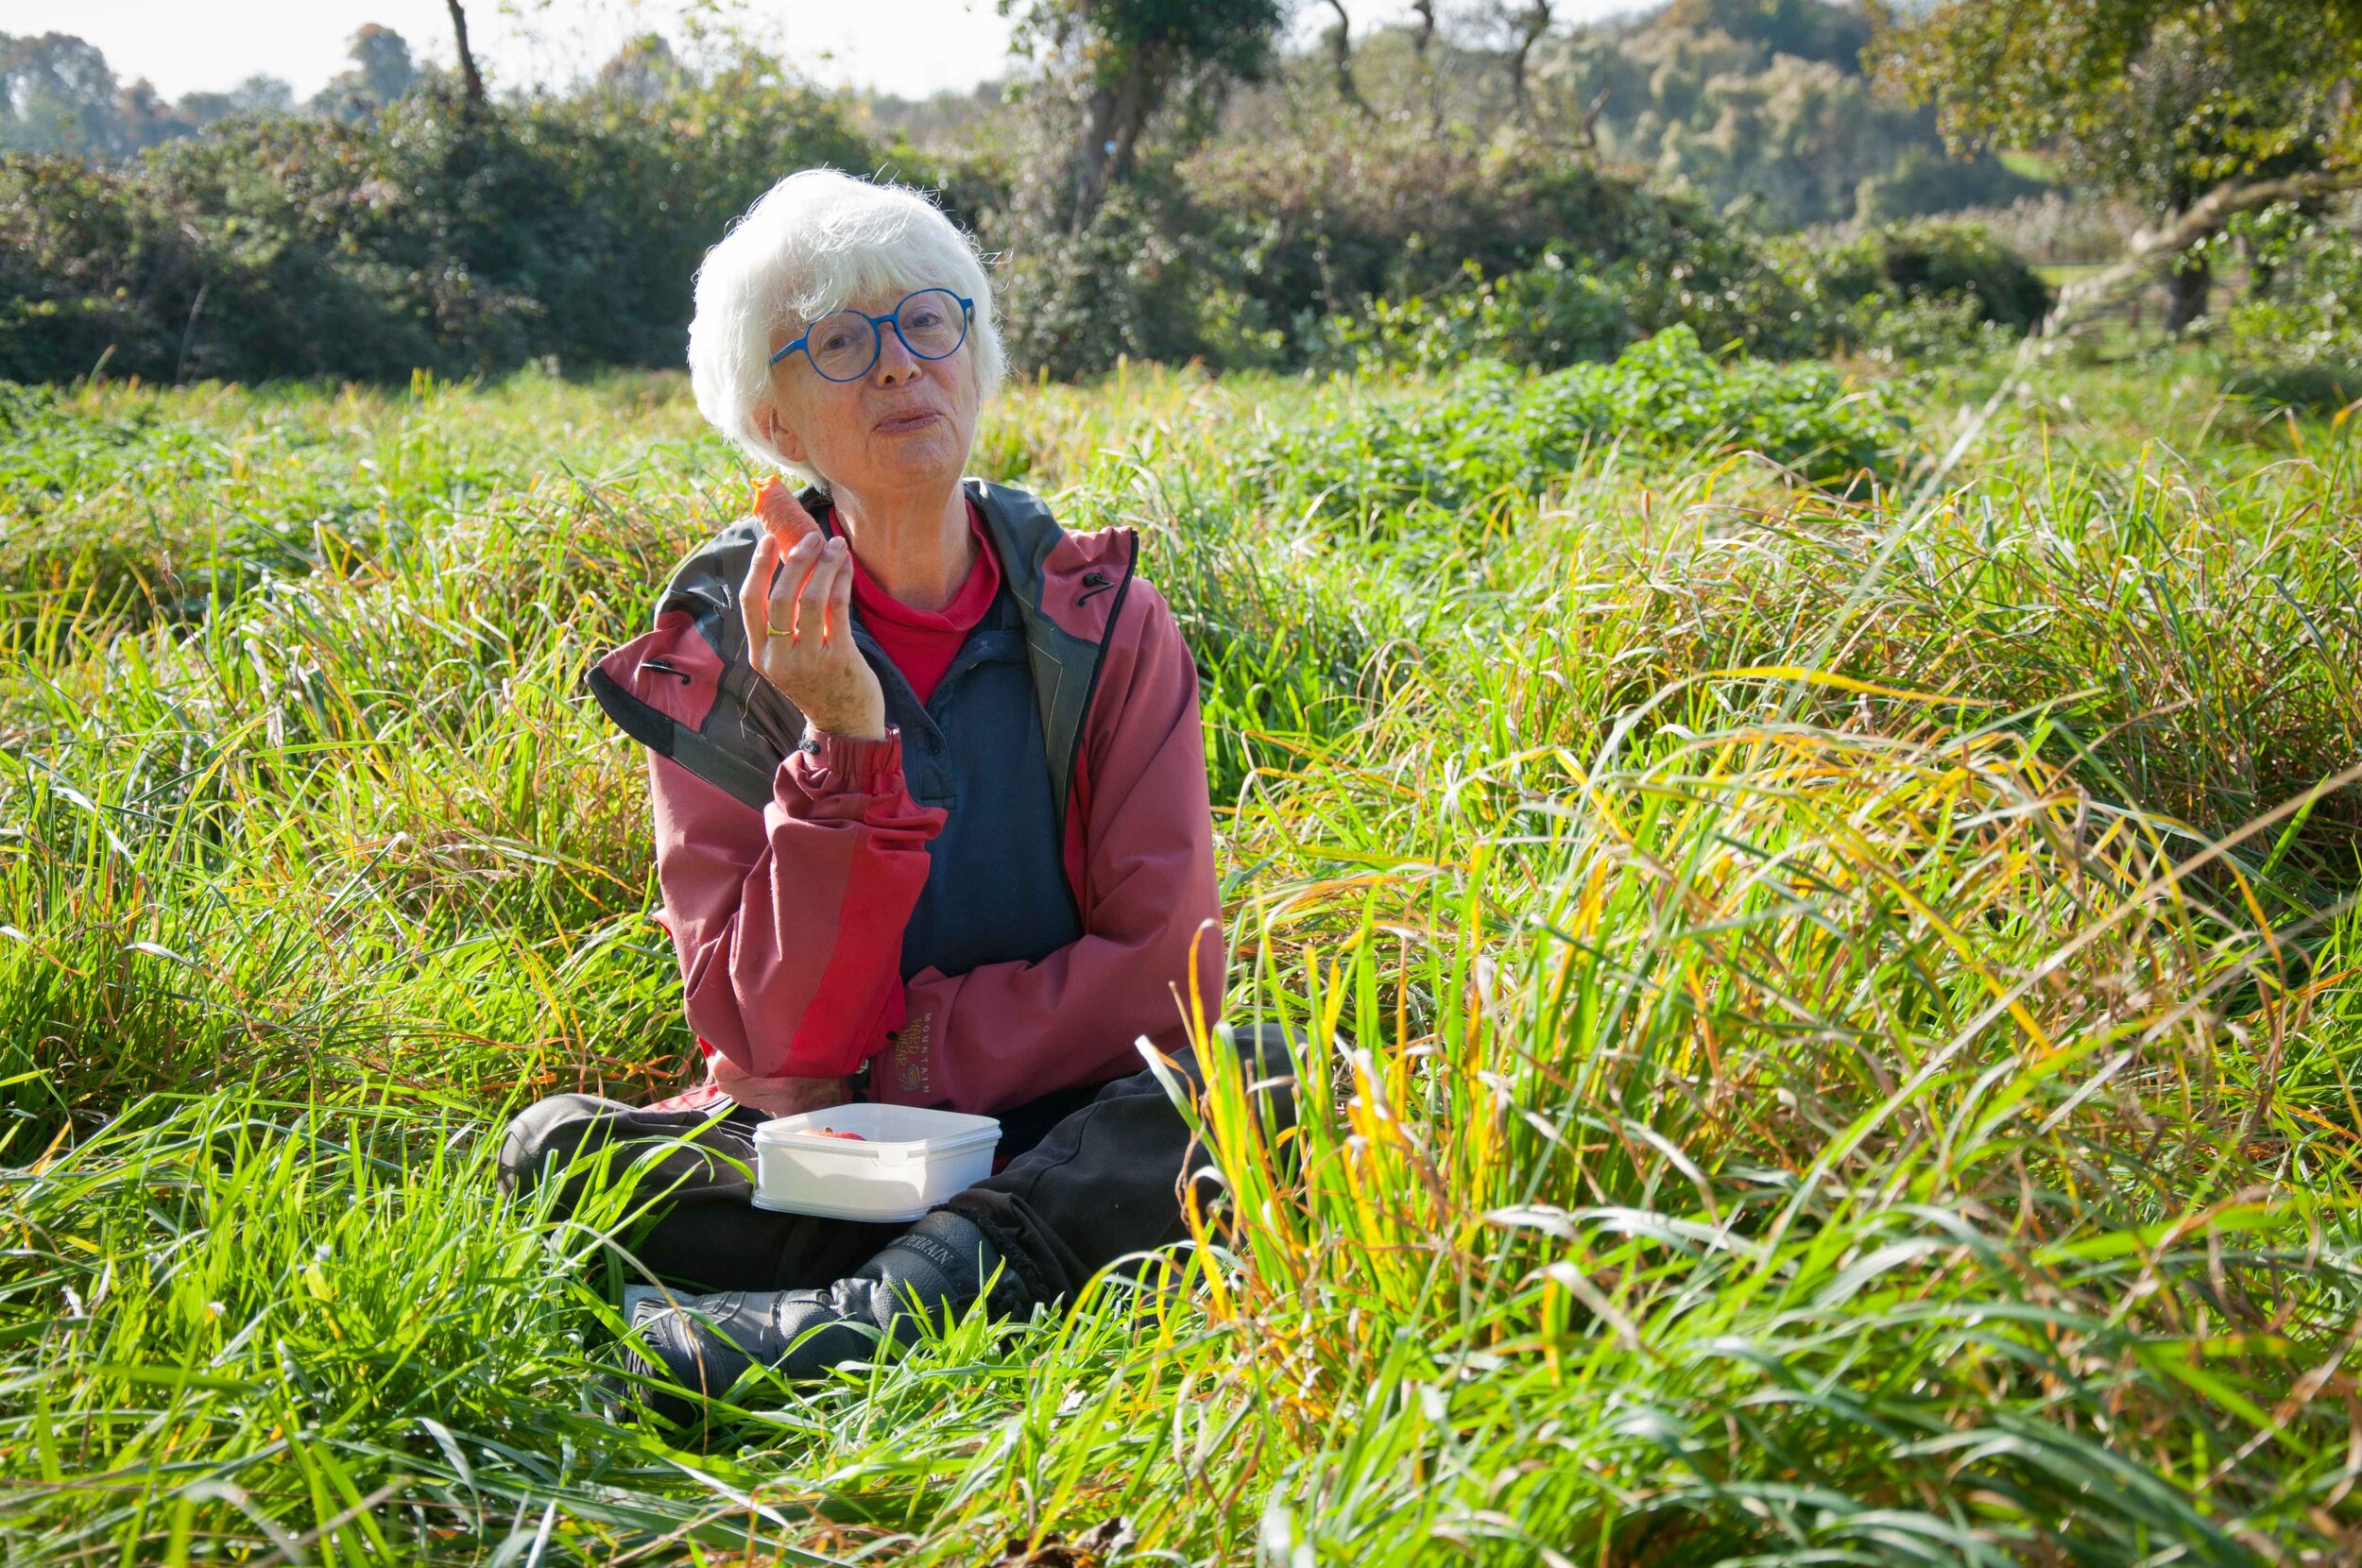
(468,73)
(2203,220)
(1341,58)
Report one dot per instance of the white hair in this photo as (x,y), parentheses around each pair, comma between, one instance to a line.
(814,242)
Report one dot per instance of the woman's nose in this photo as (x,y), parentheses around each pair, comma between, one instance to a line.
(895,362)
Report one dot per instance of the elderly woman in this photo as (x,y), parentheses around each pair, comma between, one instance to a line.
(930,808)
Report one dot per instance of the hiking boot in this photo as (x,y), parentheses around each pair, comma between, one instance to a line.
(705,1343)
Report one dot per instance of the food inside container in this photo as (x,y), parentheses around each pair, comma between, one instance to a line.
(865,1161)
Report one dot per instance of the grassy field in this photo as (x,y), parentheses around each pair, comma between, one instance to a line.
(1842,994)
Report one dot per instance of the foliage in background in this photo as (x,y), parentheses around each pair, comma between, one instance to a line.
(2163,101)
(2054,228)
(415,238)
(418,237)
(1313,221)
(1387,242)
(1764,110)
(1920,289)
(1321,227)
(1125,65)
(1136,283)
(1163,187)
(1493,434)
(2297,330)
(58,94)
(1916,291)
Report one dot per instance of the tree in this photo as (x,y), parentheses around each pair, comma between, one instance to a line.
(256,94)
(1798,139)
(381,57)
(1526,23)
(643,71)
(1126,58)
(142,118)
(1835,34)
(382,72)
(471,79)
(2199,109)
(57,95)
(1423,35)
(1340,42)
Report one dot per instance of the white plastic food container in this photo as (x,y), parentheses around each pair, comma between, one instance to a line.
(907,1160)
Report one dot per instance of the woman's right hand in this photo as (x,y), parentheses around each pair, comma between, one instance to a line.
(777,1096)
(797,601)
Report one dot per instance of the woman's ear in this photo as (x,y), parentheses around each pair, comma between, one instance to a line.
(775,430)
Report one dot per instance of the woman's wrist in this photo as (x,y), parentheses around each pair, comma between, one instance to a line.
(861,761)
(855,719)
(852,734)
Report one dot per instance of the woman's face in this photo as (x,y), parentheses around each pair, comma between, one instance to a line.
(904,427)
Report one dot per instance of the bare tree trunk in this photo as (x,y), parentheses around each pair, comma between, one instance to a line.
(1091,158)
(1136,101)
(1341,58)
(2203,219)
(1113,121)
(2259,267)
(1531,22)
(1588,128)
(1422,38)
(2187,289)
(468,75)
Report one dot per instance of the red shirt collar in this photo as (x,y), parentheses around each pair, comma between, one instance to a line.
(968,607)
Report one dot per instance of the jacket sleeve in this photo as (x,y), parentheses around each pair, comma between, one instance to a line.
(788,924)
(1003,1034)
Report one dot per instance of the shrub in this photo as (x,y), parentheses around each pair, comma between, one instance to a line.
(1923,331)
(1134,284)
(97,266)
(2297,384)
(2055,228)
(1925,262)
(1926,179)
(463,239)
(1547,316)
(1492,433)
(1352,243)
(1327,224)
(2296,340)
(1569,306)
(431,236)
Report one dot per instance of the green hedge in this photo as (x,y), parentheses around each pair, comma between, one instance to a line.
(435,236)
(1493,432)
(456,239)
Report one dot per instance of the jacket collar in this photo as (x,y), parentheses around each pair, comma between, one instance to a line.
(1069,589)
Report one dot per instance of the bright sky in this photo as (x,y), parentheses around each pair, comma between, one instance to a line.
(913,48)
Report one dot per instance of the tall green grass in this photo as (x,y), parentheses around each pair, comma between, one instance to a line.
(1831,1032)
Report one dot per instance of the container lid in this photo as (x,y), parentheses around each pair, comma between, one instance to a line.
(882,1129)
(880,1148)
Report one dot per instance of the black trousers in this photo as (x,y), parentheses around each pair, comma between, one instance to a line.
(1094,1175)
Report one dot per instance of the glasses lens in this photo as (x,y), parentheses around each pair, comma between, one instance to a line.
(933,323)
(843,346)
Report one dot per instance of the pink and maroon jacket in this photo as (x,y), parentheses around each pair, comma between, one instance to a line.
(790,859)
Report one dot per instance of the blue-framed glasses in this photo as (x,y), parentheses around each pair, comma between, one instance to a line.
(843,345)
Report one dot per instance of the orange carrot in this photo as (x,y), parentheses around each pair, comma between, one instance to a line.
(781,513)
